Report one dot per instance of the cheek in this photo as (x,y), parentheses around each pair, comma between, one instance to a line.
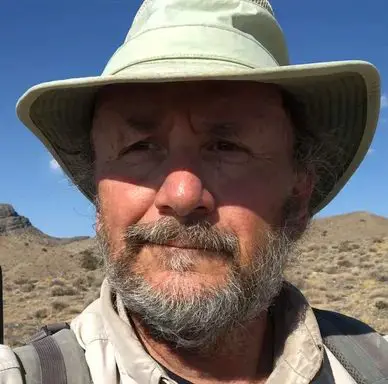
(122,204)
(250,228)
(261,197)
(251,209)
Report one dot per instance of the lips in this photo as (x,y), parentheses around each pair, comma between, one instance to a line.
(179,245)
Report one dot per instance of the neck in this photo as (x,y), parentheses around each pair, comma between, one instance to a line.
(242,356)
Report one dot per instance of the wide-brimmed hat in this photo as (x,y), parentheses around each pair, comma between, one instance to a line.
(230,40)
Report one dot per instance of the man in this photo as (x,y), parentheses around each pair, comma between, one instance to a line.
(206,154)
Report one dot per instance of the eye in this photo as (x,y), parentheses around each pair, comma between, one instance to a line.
(226,152)
(225,146)
(140,146)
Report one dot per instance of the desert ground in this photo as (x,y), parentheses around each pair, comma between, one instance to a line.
(342,266)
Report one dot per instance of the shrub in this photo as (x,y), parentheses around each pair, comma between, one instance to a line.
(345,263)
(331,269)
(379,276)
(89,261)
(56,282)
(312,247)
(80,283)
(345,246)
(27,287)
(41,313)
(381,304)
(334,296)
(21,281)
(378,293)
(63,291)
(59,305)
(74,311)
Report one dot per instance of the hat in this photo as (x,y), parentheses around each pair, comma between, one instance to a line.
(191,40)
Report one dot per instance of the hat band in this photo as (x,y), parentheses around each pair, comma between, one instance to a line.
(190,42)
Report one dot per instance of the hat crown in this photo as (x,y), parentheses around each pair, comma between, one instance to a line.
(193,27)
(158,13)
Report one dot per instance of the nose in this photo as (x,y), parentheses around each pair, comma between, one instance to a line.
(183,194)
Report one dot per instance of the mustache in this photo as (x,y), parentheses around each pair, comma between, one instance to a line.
(169,231)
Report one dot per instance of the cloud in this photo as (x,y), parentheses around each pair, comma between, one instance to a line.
(384,101)
(371,151)
(54,166)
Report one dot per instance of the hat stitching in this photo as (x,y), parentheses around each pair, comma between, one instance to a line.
(141,9)
(178,56)
(262,4)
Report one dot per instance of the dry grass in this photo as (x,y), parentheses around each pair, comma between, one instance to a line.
(343,266)
(348,277)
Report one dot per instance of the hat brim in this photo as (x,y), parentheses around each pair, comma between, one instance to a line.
(338,97)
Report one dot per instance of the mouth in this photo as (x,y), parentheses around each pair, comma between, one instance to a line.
(178,245)
(175,246)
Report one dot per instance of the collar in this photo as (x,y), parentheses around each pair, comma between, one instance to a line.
(298,345)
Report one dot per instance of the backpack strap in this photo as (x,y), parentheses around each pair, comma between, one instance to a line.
(1,308)
(359,348)
(53,356)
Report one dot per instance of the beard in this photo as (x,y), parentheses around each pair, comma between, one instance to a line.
(200,319)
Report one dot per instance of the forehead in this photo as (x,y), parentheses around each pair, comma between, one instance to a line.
(226,97)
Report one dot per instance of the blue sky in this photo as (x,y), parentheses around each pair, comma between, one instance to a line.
(44,40)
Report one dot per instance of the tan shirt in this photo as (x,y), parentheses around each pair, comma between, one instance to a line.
(115,355)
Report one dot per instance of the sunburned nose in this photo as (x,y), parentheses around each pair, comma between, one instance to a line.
(182,193)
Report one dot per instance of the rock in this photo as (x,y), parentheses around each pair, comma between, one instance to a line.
(10,221)
(7,210)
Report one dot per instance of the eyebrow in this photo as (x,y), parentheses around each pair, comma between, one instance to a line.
(227,130)
(219,129)
(141,125)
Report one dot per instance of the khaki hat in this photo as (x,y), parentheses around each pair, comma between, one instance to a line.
(190,40)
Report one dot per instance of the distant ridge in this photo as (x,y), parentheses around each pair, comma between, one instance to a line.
(353,226)
(11,223)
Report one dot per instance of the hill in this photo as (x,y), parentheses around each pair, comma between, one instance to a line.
(343,265)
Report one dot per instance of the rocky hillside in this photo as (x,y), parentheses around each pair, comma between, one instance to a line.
(11,223)
(343,266)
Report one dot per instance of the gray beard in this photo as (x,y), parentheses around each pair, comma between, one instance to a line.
(197,321)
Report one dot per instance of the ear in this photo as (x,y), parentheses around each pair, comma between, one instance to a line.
(297,210)
(98,224)
(303,191)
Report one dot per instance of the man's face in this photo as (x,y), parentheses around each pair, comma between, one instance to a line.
(192,181)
